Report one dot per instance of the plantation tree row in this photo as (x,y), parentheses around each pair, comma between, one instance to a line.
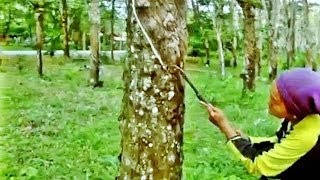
(252,33)
(65,24)
(260,33)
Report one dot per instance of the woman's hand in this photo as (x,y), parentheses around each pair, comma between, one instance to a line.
(216,115)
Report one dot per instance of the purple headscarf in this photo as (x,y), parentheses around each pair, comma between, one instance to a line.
(299,88)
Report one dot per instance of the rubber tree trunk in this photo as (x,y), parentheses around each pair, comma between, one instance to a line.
(217,28)
(7,24)
(259,27)
(151,122)
(250,42)
(64,22)
(84,41)
(290,36)
(235,29)
(94,17)
(273,13)
(220,49)
(39,10)
(112,30)
(309,37)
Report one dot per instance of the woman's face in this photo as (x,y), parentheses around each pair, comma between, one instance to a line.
(276,105)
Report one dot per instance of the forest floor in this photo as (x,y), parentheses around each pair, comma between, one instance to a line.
(56,127)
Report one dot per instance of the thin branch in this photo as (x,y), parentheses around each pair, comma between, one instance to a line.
(195,90)
(156,53)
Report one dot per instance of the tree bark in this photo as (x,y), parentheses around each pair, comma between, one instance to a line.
(207,48)
(112,30)
(75,26)
(84,41)
(94,17)
(309,35)
(151,122)
(273,13)
(217,29)
(64,22)
(7,24)
(39,10)
(220,48)
(290,36)
(235,30)
(259,27)
(250,42)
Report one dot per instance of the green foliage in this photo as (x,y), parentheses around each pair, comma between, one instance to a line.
(300,59)
(254,3)
(58,128)
(192,60)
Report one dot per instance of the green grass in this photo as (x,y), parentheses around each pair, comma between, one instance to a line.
(59,128)
(14,47)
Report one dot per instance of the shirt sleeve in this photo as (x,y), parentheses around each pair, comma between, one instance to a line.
(283,154)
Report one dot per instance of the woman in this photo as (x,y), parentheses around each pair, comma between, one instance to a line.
(294,153)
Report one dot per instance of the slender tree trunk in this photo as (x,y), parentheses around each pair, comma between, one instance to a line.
(94,17)
(8,23)
(30,34)
(207,48)
(39,10)
(64,20)
(217,28)
(259,27)
(84,41)
(318,39)
(152,116)
(112,30)
(76,32)
(273,13)
(309,36)
(76,37)
(235,30)
(234,51)
(220,48)
(250,42)
(290,46)
(293,31)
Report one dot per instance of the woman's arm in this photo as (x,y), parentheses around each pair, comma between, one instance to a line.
(280,156)
(283,155)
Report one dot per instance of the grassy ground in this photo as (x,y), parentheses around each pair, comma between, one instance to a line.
(13,47)
(58,128)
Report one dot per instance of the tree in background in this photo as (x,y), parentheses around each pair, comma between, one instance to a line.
(94,16)
(39,11)
(235,31)
(216,21)
(151,122)
(199,23)
(273,9)
(8,22)
(112,29)
(250,42)
(308,36)
(64,22)
(290,35)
